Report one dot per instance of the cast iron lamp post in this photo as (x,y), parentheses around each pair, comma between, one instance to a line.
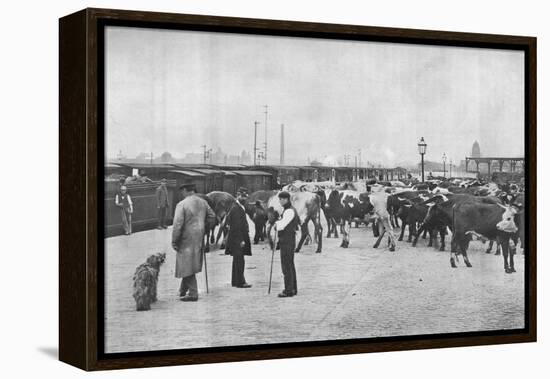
(422,150)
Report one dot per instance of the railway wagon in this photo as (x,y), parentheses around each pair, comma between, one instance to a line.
(324,173)
(254,180)
(229,182)
(181,176)
(344,174)
(308,174)
(153,171)
(213,178)
(143,197)
(282,175)
(113,169)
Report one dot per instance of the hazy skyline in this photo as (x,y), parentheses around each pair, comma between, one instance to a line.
(177,90)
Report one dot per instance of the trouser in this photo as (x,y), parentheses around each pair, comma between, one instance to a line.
(384,224)
(126,220)
(237,271)
(162,216)
(287,266)
(189,286)
(258,231)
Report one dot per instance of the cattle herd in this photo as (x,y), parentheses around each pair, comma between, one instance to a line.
(464,209)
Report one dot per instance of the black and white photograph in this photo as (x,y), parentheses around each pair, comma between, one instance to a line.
(268,189)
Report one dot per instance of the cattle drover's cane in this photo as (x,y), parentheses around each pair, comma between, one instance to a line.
(205,265)
(273,247)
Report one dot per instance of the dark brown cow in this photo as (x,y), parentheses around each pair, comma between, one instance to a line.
(473,218)
(221,203)
(256,209)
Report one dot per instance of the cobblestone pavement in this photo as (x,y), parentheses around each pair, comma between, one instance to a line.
(357,292)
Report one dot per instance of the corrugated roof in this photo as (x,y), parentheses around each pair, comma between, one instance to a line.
(146,165)
(250,172)
(207,171)
(185,172)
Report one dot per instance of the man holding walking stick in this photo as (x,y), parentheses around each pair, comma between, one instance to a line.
(238,239)
(286,228)
(191,218)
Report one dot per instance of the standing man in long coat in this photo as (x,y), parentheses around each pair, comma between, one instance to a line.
(191,217)
(238,239)
(161,194)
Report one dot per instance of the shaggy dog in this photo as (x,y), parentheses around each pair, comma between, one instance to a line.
(145,281)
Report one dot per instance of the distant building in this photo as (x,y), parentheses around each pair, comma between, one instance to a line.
(246,158)
(193,158)
(218,157)
(476,151)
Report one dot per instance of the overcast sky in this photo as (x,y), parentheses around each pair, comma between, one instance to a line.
(177,90)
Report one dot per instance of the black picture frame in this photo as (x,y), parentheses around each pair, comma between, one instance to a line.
(81,192)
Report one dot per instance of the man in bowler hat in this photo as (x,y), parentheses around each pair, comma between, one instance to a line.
(238,239)
(192,217)
(286,229)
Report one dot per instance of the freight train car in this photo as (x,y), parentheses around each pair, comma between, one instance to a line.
(254,180)
(144,201)
(282,175)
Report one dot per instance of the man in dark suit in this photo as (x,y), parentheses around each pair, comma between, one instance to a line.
(162,203)
(238,239)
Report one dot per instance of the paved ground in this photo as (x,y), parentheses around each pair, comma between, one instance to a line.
(343,293)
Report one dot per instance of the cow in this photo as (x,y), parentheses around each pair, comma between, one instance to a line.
(397,199)
(344,207)
(480,219)
(315,188)
(256,208)
(439,206)
(221,203)
(410,214)
(417,214)
(308,207)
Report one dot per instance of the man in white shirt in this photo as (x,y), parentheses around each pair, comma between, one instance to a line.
(286,228)
(124,202)
(379,200)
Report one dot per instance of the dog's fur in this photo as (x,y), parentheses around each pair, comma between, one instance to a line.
(145,281)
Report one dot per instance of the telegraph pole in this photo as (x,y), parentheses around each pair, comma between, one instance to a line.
(205,154)
(151,157)
(265,143)
(255,140)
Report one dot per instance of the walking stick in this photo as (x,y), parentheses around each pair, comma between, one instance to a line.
(272,255)
(205,267)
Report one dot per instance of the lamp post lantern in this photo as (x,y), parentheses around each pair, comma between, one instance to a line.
(444,161)
(422,150)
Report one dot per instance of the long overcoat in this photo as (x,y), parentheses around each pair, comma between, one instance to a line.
(190,217)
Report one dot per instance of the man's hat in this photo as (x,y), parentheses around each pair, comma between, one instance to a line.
(242,190)
(163,180)
(284,195)
(188,186)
